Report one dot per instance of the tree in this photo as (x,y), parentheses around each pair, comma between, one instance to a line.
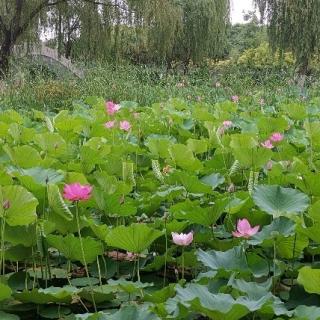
(294,25)
(188,30)
(151,30)
(16,17)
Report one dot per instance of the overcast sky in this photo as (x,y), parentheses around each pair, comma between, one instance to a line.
(237,8)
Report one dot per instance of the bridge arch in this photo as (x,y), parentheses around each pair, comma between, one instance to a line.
(49,53)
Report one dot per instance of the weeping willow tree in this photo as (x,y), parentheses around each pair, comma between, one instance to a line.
(186,29)
(148,30)
(140,30)
(294,25)
(18,20)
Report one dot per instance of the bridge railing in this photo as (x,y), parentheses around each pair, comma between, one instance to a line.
(45,51)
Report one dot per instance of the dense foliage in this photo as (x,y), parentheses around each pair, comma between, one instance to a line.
(33,86)
(294,25)
(140,31)
(150,171)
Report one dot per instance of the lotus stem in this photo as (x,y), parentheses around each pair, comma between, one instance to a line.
(182,263)
(274,265)
(99,272)
(293,253)
(3,264)
(84,257)
(166,253)
(138,268)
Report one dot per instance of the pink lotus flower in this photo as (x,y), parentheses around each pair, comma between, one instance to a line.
(77,192)
(235,99)
(112,108)
(110,124)
(276,137)
(227,124)
(267,144)
(182,239)
(244,229)
(125,125)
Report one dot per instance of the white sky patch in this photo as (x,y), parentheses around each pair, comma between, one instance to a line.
(238,7)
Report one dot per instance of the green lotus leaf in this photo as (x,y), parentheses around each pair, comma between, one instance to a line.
(133,312)
(134,238)
(22,209)
(307,313)
(52,294)
(5,292)
(277,201)
(54,312)
(101,293)
(184,158)
(310,279)
(230,260)
(57,204)
(192,211)
(8,316)
(213,180)
(197,146)
(24,156)
(198,298)
(128,286)
(70,247)
(191,182)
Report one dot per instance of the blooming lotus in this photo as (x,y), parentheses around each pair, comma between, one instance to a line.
(235,99)
(267,144)
(110,124)
(276,137)
(125,125)
(227,124)
(244,229)
(112,108)
(77,192)
(182,239)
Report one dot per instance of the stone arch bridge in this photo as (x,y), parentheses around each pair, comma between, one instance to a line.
(49,55)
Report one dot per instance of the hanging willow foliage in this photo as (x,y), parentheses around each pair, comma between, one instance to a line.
(140,30)
(294,25)
(147,30)
(186,29)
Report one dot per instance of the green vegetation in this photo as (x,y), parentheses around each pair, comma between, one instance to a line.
(178,179)
(146,85)
(105,249)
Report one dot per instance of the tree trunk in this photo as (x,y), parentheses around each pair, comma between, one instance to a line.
(68,48)
(301,72)
(5,53)
(60,35)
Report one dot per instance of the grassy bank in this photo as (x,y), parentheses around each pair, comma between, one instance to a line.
(32,87)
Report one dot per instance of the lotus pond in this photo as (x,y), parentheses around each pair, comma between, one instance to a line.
(174,211)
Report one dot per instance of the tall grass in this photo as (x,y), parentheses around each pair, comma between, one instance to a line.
(39,88)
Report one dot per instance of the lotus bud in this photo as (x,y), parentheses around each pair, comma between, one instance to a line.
(6,205)
(269,165)
(231,188)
